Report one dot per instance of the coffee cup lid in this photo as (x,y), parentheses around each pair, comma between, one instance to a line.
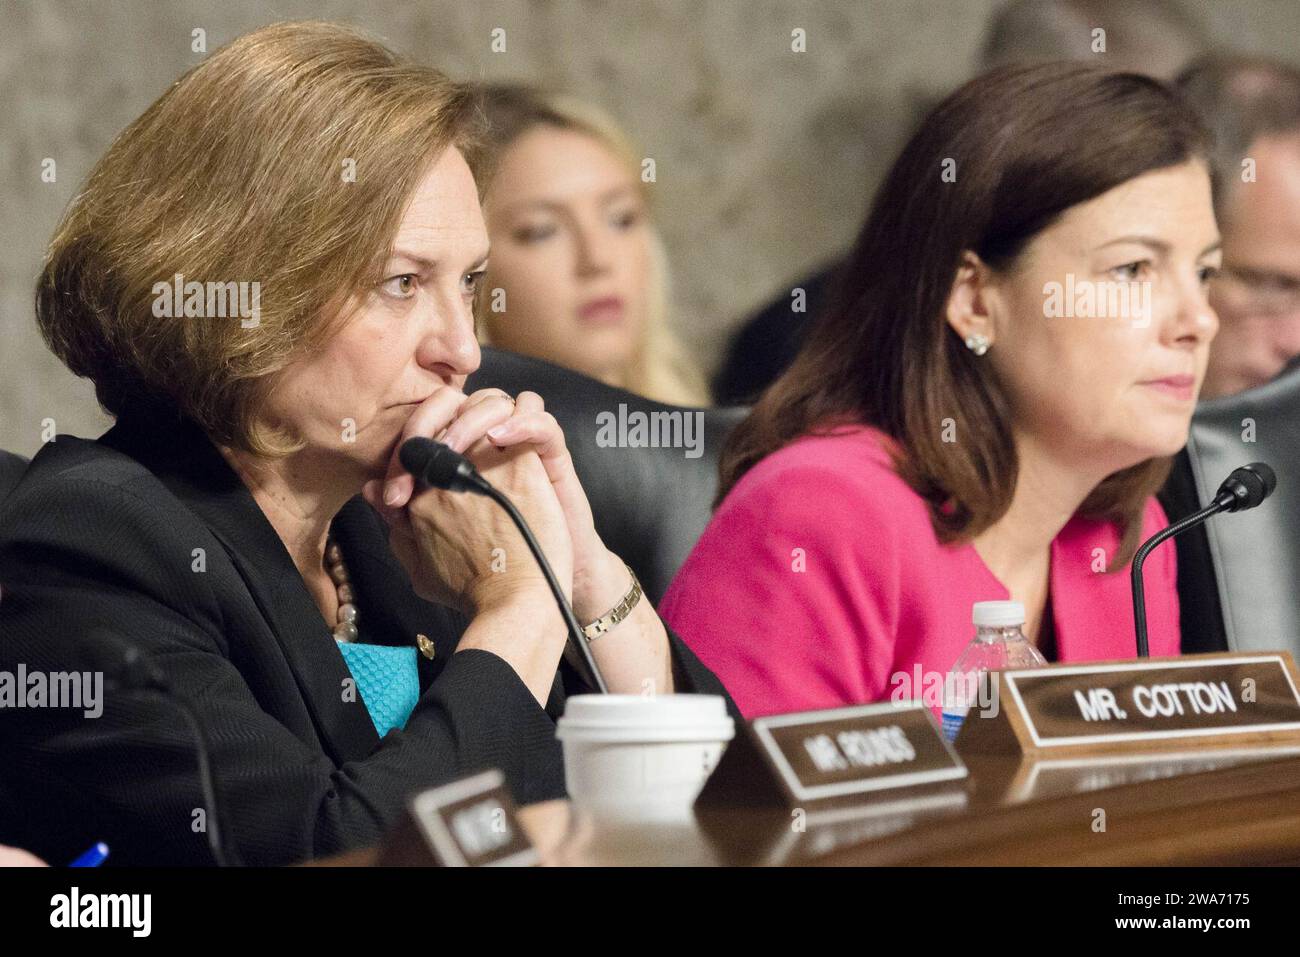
(685,716)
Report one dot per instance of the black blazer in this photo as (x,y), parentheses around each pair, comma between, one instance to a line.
(146,537)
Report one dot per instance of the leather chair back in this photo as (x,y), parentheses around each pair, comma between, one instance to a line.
(650,502)
(1254,556)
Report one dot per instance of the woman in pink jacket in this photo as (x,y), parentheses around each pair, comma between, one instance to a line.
(984,412)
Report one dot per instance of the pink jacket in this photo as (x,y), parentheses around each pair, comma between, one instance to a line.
(820,582)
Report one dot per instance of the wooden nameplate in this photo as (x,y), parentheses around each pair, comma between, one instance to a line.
(1147,705)
(470,822)
(838,756)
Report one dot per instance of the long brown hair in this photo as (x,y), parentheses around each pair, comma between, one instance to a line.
(1026,144)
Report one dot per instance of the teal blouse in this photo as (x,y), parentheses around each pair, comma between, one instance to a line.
(387,678)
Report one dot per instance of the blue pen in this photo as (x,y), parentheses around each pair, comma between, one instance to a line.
(93,857)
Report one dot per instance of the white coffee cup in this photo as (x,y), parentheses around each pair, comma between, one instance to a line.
(645,758)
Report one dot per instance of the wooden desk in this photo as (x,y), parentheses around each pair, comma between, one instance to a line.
(1225,807)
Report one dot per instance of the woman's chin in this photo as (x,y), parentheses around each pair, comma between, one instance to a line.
(1158,446)
(368,455)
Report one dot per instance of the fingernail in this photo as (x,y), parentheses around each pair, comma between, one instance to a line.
(391,494)
(497,431)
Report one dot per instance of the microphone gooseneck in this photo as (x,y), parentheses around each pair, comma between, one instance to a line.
(1245,488)
(434,464)
(131,670)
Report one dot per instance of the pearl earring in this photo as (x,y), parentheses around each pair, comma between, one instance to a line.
(978,343)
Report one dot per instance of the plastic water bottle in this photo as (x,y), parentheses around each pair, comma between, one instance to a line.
(999,642)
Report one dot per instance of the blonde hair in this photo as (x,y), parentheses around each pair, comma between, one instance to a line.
(661,369)
(241,172)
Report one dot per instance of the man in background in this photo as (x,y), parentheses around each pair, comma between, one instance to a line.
(1252,106)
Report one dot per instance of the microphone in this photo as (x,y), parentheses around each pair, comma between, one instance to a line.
(1245,488)
(131,670)
(434,464)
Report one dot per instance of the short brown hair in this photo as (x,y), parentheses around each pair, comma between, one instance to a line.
(1240,99)
(1031,142)
(287,158)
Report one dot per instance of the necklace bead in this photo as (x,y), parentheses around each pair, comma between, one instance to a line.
(346,627)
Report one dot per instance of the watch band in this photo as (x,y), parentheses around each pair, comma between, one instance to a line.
(611,618)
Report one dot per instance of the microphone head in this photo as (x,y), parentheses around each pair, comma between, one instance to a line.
(1246,487)
(435,464)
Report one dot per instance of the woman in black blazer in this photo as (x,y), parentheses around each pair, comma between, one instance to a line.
(214,538)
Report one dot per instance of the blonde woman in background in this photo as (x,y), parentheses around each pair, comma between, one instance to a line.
(578,274)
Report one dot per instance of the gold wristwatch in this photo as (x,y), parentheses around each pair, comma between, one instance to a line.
(611,618)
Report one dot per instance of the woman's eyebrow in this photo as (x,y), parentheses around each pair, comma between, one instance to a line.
(1159,245)
(617,191)
(531,205)
(559,206)
(1154,242)
(425,265)
(430,265)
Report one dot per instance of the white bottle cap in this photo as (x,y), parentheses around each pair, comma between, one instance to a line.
(998,614)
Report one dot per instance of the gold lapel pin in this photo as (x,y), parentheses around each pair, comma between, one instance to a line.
(426,646)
